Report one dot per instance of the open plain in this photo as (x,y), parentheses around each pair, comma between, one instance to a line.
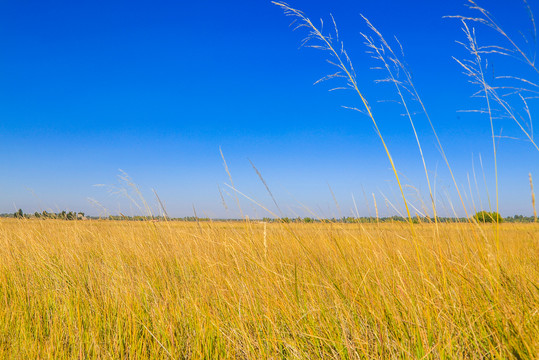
(122,289)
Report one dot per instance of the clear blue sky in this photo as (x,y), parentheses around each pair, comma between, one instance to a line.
(155,87)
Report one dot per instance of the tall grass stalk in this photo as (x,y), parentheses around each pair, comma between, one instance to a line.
(499,94)
(389,58)
(379,53)
(341,60)
(474,69)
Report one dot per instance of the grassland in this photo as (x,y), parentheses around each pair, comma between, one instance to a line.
(125,290)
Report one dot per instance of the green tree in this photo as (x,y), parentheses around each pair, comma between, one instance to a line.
(488,217)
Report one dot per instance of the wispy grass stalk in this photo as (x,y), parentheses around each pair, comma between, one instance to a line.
(474,69)
(340,59)
(404,84)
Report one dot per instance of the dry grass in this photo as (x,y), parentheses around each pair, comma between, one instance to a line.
(250,290)
(104,289)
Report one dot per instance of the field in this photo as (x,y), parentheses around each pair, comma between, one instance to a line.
(120,289)
(157,87)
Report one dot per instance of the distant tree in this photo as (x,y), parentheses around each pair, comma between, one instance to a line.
(19,214)
(37,215)
(488,217)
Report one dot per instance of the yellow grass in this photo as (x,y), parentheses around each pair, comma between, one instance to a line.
(104,289)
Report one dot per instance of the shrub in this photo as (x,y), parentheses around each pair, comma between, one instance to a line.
(488,217)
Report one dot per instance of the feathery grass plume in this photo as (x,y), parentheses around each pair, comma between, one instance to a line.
(474,68)
(339,58)
(128,189)
(384,53)
(399,75)
(126,179)
(519,87)
(514,49)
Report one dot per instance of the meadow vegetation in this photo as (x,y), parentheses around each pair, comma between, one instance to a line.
(414,286)
(120,289)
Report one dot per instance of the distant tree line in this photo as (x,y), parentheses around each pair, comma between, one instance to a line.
(363,220)
(63,215)
(74,215)
(519,219)
(154,218)
(482,216)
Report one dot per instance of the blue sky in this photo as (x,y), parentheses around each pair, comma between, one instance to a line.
(155,88)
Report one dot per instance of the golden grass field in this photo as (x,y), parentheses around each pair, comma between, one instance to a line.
(126,290)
